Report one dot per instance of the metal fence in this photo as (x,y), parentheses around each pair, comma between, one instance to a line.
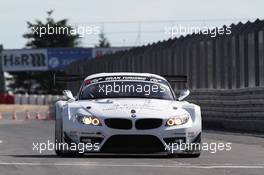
(224,62)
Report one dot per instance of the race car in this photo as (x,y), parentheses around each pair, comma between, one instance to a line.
(127,113)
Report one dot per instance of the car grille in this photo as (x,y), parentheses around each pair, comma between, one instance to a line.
(133,144)
(118,123)
(148,123)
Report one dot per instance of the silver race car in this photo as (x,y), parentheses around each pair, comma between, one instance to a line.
(127,113)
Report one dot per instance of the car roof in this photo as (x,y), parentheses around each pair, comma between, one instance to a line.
(123,74)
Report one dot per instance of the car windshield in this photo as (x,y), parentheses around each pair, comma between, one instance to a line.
(126,89)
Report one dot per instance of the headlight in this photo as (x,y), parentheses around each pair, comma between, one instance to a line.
(89,120)
(177,120)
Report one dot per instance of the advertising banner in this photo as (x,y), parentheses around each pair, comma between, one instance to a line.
(49,59)
(24,60)
(97,52)
(60,58)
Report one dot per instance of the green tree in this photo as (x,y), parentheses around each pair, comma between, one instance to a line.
(103,41)
(41,82)
(62,38)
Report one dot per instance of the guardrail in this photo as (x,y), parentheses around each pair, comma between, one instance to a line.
(240,109)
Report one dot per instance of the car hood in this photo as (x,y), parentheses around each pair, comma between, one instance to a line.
(122,107)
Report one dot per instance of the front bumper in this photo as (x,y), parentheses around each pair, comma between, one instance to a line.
(109,140)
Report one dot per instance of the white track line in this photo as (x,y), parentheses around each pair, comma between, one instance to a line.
(198,166)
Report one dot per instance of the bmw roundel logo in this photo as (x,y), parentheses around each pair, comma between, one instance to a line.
(133,113)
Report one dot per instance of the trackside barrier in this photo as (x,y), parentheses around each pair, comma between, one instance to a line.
(24,99)
(240,109)
(6,98)
(36,99)
(32,99)
(17,98)
(40,100)
(26,116)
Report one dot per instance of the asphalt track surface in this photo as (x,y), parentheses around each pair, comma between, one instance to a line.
(17,156)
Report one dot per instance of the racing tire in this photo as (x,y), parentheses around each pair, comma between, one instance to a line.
(58,137)
(59,140)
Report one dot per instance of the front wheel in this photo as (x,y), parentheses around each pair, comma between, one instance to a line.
(62,147)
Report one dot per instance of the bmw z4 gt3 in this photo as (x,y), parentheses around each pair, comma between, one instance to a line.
(127,113)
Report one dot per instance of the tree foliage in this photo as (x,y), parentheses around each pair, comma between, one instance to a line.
(41,82)
(63,37)
(103,41)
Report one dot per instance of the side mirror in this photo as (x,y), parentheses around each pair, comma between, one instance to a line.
(68,94)
(183,94)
